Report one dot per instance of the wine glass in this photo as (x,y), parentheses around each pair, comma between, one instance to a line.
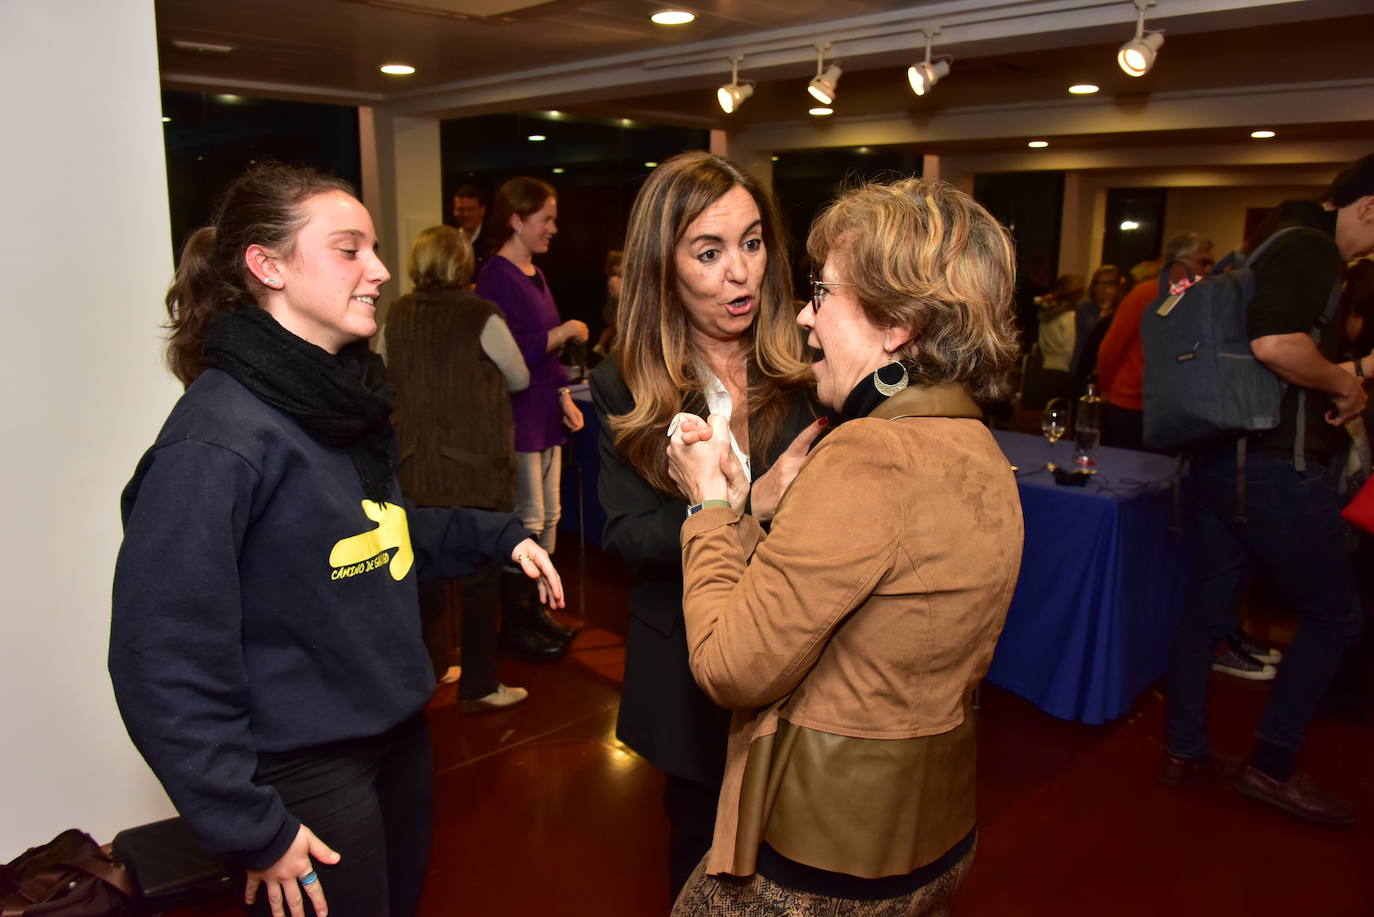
(1054,425)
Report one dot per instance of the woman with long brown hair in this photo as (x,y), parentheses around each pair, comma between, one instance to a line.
(706,324)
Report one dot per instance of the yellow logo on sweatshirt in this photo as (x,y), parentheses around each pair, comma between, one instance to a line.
(370,550)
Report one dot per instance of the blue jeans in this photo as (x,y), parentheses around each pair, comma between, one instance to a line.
(1295,531)
(537,502)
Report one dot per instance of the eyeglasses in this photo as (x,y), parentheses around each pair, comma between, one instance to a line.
(819,291)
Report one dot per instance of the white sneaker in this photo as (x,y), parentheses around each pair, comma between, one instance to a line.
(503,696)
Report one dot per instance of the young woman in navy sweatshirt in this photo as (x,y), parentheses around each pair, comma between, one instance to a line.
(265,646)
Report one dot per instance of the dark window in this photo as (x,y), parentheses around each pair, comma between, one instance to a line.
(1135,226)
(1030,205)
(601,163)
(212,138)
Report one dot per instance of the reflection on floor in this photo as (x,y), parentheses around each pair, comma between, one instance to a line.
(540,811)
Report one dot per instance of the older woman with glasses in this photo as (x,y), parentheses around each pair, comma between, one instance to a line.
(848,639)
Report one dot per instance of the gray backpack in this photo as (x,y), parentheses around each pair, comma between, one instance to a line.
(1201,379)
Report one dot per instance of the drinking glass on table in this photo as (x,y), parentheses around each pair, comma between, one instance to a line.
(1054,424)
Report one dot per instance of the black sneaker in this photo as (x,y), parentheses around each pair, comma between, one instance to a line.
(1240,665)
(1240,642)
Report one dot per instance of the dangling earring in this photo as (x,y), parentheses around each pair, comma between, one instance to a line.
(886,388)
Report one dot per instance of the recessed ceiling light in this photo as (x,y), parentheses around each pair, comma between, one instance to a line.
(673,17)
(228,98)
(1038,144)
(398,69)
(1128,225)
(558,170)
(775,159)
(651,165)
(536,138)
(165,119)
(1083,89)
(626,122)
(820,111)
(1263,135)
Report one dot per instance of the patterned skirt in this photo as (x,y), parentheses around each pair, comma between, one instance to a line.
(759,896)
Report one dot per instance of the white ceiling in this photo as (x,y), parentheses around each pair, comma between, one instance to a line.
(1304,64)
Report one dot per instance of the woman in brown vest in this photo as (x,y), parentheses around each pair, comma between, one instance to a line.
(453,364)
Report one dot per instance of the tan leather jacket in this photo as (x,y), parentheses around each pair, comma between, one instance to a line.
(849,639)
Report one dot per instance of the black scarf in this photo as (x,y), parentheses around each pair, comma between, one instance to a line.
(864,398)
(341,400)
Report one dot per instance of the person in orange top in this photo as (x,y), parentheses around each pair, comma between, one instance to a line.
(1121,362)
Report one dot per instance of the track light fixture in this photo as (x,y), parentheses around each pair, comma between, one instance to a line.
(927,73)
(1137,56)
(732,96)
(822,85)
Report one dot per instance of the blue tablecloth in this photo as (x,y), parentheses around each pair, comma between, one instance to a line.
(582,512)
(1102,582)
(1102,578)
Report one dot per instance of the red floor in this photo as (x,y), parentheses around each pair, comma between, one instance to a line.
(540,811)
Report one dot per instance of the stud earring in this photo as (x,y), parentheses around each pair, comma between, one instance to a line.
(272,282)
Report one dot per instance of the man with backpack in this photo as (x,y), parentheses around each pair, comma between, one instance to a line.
(1269,497)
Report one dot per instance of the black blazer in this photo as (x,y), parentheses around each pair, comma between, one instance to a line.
(663,714)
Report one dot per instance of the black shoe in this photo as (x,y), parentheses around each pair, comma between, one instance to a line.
(521,631)
(526,643)
(549,626)
(1298,795)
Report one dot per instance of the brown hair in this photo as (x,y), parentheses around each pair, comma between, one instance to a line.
(924,256)
(264,206)
(441,257)
(1065,294)
(1103,271)
(655,351)
(521,196)
(1146,270)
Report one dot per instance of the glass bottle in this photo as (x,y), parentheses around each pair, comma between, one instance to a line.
(1087,428)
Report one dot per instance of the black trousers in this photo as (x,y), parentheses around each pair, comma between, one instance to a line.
(1123,428)
(691,809)
(481,599)
(371,801)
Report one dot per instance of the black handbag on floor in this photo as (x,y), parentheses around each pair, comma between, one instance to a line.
(67,877)
(171,867)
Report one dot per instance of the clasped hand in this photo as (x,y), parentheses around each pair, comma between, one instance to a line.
(701,462)
(704,466)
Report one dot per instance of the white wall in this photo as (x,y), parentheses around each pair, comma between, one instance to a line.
(85,253)
(1219,213)
(402,188)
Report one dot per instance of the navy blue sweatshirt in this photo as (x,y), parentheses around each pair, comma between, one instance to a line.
(262,604)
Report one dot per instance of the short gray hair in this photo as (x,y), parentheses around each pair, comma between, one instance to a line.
(1183,243)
